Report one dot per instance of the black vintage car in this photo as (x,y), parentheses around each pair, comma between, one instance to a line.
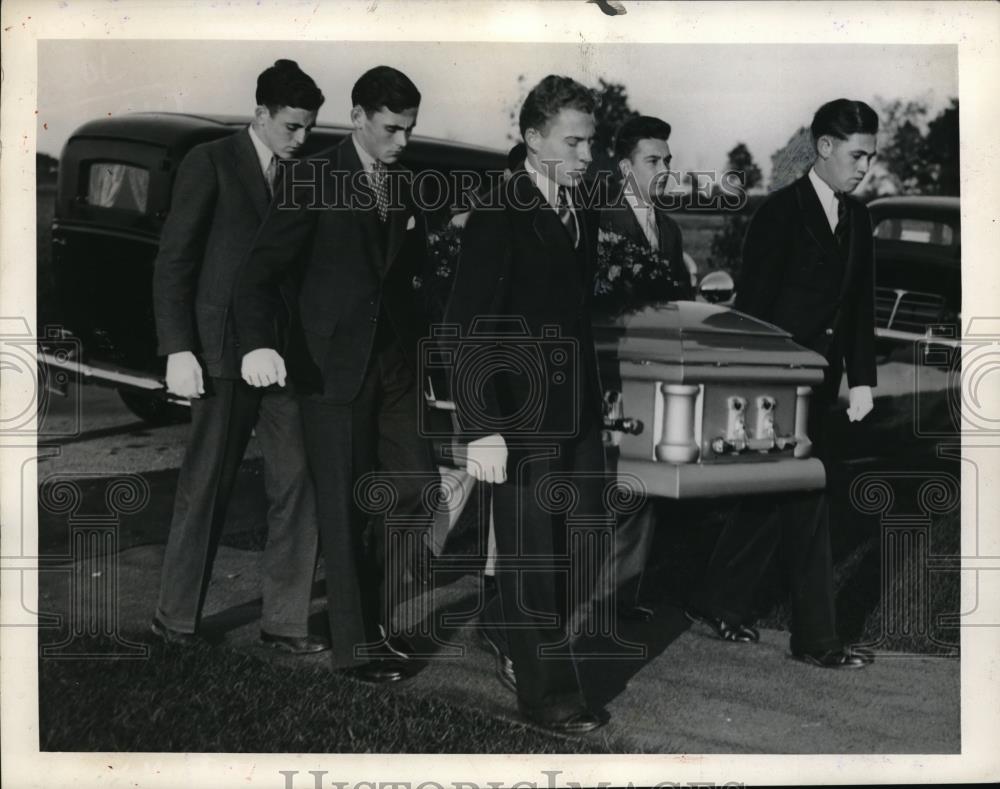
(918,275)
(115,181)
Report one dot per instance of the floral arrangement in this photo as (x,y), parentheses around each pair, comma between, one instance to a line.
(630,276)
(443,247)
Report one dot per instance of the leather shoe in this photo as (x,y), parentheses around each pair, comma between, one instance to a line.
(171,636)
(576,723)
(504,667)
(834,658)
(294,645)
(395,645)
(727,631)
(378,671)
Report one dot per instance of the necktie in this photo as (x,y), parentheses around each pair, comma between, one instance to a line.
(843,230)
(380,185)
(651,232)
(566,215)
(270,173)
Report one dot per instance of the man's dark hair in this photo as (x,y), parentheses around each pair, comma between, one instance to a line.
(516,156)
(642,127)
(286,85)
(384,86)
(841,118)
(551,95)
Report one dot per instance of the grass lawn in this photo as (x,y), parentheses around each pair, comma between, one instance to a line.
(218,700)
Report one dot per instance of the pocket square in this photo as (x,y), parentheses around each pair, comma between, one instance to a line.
(411,223)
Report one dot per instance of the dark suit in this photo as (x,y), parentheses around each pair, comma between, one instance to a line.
(795,276)
(352,352)
(634,534)
(518,260)
(220,198)
(620,218)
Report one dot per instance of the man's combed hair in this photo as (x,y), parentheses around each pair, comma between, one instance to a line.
(551,95)
(384,87)
(642,127)
(841,118)
(286,85)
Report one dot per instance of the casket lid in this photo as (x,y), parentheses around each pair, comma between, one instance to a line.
(690,332)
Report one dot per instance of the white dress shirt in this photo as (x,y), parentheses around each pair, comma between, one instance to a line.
(827,198)
(264,153)
(550,191)
(646,215)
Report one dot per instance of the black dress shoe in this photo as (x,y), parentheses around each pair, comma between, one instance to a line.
(294,645)
(576,723)
(727,631)
(834,658)
(394,646)
(378,671)
(504,667)
(171,636)
(635,613)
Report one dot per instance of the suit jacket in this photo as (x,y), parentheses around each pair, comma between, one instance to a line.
(620,218)
(518,261)
(219,200)
(350,272)
(795,276)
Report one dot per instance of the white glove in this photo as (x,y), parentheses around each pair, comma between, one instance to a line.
(487,459)
(263,367)
(861,403)
(184,375)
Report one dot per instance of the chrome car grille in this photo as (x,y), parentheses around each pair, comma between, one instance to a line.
(906,310)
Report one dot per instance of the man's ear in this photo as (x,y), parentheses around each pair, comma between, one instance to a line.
(357,115)
(261,113)
(531,138)
(824,146)
(624,167)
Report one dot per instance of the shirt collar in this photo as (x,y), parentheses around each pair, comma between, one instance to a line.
(367,160)
(264,153)
(548,187)
(827,197)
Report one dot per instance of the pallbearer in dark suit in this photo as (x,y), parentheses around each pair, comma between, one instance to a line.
(637,211)
(529,253)
(352,352)
(221,195)
(808,268)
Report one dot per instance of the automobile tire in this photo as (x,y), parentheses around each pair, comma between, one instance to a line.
(154,410)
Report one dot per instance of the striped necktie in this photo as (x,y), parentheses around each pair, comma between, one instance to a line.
(566,215)
(380,185)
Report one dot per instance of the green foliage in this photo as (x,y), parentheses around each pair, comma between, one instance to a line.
(790,162)
(727,244)
(741,160)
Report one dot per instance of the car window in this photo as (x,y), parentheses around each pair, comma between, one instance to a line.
(116,185)
(918,231)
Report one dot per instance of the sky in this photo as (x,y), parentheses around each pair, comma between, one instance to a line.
(713,95)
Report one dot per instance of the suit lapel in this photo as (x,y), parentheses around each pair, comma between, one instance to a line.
(397,218)
(357,194)
(814,217)
(852,247)
(248,170)
(544,220)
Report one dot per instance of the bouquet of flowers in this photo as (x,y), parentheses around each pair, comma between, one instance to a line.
(630,276)
(443,247)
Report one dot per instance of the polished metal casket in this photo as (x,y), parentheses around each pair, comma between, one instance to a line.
(702,401)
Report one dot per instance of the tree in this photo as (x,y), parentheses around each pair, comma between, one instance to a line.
(790,162)
(916,157)
(943,151)
(741,160)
